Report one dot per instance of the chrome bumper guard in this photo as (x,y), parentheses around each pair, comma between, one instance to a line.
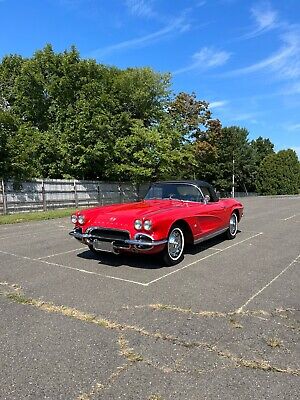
(133,242)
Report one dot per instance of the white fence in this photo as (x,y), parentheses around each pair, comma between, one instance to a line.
(42,195)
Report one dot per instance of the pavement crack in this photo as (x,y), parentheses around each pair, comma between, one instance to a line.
(127,352)
(101,386)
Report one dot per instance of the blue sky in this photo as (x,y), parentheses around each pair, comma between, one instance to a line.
(242,56)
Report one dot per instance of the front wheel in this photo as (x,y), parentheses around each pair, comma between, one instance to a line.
(233,226)
(173,253)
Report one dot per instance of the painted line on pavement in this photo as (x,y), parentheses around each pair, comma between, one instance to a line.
(59,254)
(145,284)
(292,216)
(203,258)
(267,285)
(73,268)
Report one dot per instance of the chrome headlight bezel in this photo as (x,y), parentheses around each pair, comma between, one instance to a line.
(138,224)
(74,218)
(147,225)
(81,219)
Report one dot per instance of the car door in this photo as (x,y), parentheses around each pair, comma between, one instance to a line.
(213,214)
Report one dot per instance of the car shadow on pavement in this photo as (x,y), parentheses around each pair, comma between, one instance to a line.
(208,244)
(144,261)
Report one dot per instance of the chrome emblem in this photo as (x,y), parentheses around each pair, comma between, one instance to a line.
(112,219)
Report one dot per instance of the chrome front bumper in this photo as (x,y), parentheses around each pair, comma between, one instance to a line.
(139,244)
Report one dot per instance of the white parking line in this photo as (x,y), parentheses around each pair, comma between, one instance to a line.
(40,260)
(19,235)
(59,254)
(91,272)
(203,258)
(292,216)
(73,268)
(267,285)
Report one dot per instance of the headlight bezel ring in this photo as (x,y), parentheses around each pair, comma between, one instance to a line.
(74,219)
(81,219)
(138,224)
(147,225)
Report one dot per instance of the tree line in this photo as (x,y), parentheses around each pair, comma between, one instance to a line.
(62,116)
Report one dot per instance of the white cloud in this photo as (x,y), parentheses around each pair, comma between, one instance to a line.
(205,58)
(251,117)
(285,62)
(297,150)
(265,19)
(218,104)
(177,26)
(140,8)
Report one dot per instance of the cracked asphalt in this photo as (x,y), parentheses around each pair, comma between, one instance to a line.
(222,324)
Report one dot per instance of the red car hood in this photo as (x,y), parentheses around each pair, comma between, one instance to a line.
(119,215)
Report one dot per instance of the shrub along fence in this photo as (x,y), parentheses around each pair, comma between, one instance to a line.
(49,194)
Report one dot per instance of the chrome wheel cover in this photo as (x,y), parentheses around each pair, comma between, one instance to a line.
(175,244)
(233,224)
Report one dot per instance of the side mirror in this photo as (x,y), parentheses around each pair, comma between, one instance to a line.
(206,199)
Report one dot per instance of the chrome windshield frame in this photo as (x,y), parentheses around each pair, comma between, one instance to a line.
(170,198)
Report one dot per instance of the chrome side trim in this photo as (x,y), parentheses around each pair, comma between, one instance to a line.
(210,236)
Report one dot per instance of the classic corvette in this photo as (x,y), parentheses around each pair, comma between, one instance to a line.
(172,214)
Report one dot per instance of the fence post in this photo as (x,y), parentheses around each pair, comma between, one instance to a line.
(4,198)
(75,194)
(44,196)
(98,195)
(120,193)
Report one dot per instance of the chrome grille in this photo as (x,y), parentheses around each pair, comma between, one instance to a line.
(109,234)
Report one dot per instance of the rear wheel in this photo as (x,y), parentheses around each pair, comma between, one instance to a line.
(173,253)
(233,226)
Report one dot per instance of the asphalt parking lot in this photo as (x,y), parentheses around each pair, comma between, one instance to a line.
(222,324)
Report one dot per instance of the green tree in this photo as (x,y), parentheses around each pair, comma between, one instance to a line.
(147,154)
(192,121)
(191,117)
(261,148)
(217,152)
(8,127)
(279,173)
(76,110)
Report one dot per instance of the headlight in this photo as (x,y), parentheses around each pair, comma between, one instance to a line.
(138,224)
(147,225)
(73,219)
(81,219)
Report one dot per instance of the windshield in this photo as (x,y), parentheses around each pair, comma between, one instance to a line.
(179,191)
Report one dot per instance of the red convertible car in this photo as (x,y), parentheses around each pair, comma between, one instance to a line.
(172,214)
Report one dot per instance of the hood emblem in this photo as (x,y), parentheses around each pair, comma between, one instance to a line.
(112,219)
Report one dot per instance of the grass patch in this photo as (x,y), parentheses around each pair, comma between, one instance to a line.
(35,216)
(128,352)
(273,342)
(19,298)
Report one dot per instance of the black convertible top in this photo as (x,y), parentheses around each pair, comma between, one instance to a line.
(195,182)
